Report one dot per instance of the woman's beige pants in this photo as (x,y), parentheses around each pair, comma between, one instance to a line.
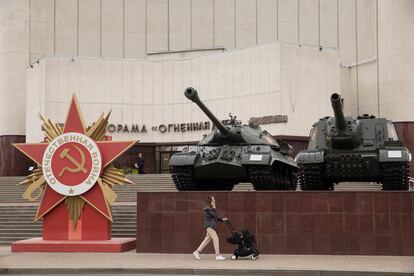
(211,235)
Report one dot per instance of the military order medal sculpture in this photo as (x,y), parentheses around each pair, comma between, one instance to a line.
(75,177)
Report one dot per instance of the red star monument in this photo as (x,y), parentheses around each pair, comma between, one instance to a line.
(75,177)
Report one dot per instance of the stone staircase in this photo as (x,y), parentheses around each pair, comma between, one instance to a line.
(17,214)
(16,222)
(9,192)
(358,186)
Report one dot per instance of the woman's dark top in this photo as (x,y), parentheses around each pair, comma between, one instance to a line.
(211,217)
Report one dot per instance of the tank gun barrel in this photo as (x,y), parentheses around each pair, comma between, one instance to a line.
(192,95)
(339,114)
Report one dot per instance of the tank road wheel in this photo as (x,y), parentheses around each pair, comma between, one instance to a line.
(280,181)
(281,176)
(268,178)
(293,181)
(310,177)
(183,177)
(286,176)
(395,176)
(263,178)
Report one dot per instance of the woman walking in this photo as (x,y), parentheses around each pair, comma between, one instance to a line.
(210,223)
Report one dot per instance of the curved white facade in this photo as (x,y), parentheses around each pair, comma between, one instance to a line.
(374,39)
(268,80)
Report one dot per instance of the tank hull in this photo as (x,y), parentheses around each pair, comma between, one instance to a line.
(221,170)
(355,166)
(209,168)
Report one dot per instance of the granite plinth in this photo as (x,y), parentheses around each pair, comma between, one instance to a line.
(348,223)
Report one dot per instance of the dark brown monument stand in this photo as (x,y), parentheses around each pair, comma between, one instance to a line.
(349,223)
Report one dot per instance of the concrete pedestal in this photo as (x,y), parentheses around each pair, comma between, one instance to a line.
(40,245)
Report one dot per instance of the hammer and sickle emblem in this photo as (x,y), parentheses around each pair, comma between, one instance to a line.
(78,166)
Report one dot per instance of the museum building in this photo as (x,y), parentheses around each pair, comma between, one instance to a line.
(270,62)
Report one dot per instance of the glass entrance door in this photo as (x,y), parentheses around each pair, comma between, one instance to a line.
(165,159)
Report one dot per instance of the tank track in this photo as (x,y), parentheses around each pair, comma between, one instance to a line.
(395,176)
(310,177)
(272,178)
(183,177)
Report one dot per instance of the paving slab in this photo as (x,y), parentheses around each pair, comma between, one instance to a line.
(131,262)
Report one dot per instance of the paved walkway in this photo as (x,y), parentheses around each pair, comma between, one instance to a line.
(131,262)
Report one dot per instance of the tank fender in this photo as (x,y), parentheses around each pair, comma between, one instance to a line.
(394,155)
(288,161)
(306,157)
(183,159)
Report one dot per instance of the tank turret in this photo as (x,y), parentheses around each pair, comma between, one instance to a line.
(192,95)
(228,134)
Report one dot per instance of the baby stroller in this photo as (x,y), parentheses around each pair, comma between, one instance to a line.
(246,243)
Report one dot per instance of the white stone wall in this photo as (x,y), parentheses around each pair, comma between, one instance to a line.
(396,60)
(274,79)
(132,28)
(14,58)
(370,68)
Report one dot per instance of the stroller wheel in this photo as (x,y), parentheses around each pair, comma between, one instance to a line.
(255,257)
(234,257)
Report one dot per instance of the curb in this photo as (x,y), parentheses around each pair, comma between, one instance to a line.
(165,271)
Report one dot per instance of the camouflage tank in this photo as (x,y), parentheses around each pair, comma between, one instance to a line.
(230,154)
(353,149)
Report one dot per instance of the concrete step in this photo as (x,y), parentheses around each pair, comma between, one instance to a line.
(8,217)
(10,231)
(15,209)
(13,215)
(124,231)
(17,237)
(21,222)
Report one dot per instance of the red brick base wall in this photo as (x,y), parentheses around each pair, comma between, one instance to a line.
(12,161)
(366,223)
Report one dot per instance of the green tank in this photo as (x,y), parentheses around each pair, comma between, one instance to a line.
(348,149)
(230,154)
